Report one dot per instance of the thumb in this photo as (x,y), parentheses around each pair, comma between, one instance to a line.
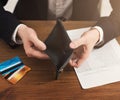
(78,42)
(39,44)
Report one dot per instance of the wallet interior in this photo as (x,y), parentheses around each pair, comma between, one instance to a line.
(58,46)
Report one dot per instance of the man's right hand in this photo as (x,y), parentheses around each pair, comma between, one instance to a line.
(32,45)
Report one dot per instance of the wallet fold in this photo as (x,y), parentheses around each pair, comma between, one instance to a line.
(58,47)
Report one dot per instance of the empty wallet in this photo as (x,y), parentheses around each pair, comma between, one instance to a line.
(58,47)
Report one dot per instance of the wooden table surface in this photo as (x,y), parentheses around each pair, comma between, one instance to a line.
(39,83)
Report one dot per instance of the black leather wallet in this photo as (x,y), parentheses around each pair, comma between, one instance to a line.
(58,47)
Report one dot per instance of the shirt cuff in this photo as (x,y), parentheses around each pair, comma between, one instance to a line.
(14,36)
(100,30)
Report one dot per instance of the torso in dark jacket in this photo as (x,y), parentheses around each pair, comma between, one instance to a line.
(38,9)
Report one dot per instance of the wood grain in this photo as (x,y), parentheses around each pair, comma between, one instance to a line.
(39,83)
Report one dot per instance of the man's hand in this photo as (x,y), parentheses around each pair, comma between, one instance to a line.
(32,45)
(83,47)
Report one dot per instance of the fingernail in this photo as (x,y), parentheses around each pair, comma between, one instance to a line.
(44,47)
(75,66)
(72,45)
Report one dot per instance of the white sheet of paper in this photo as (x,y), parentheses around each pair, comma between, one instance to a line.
(102,66)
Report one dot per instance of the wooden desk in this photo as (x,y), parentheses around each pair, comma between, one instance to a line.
(39,83)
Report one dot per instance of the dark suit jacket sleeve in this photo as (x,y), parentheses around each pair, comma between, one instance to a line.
(8,23)
(111,24)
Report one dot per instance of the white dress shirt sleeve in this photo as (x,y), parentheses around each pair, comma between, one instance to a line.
(100,30)
(14,36)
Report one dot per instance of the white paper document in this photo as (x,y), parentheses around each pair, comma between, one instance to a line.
(102,66)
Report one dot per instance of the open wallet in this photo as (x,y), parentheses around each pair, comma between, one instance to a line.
(58,47)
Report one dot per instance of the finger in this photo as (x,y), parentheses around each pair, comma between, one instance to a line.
(78,59)
(76,63)
(72,63)
(38,44)
(76,43)
(37,54)
(27,45)
(83,58)
(31,52)
(77,54)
